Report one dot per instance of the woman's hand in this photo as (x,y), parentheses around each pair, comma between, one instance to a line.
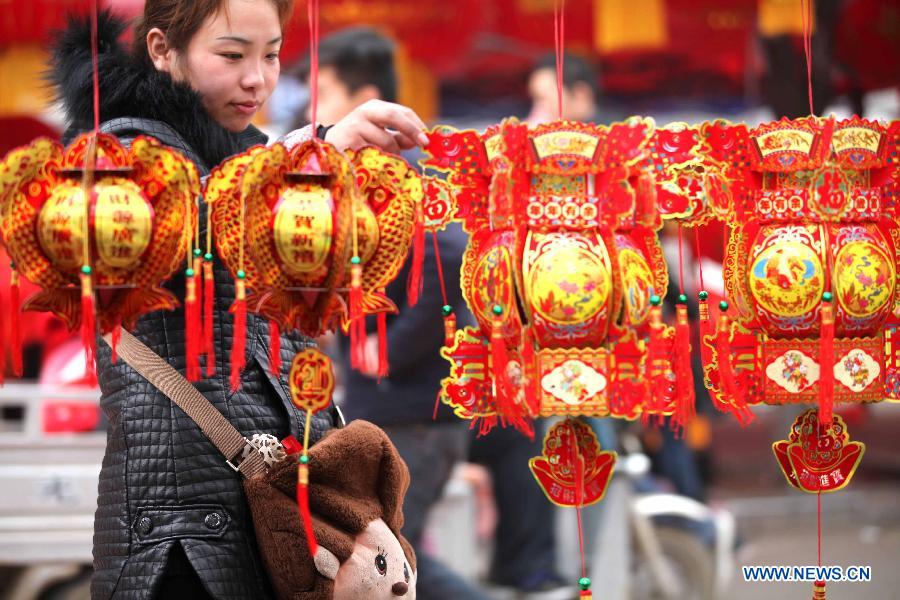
(389,126)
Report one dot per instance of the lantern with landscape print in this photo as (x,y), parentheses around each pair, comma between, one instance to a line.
(98,227)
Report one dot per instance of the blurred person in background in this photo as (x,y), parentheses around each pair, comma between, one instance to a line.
(580,94)
(357,66)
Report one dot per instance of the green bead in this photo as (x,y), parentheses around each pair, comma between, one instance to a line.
(446,310)
(208,257)
(723,306)
(198,252)
(498,310)
(703,295)
(188,272)
(655,300)
(584,583)
(682,299)
(12,264)
(355,260)
(304,459)
(241,274)
(86,269)
(827,297)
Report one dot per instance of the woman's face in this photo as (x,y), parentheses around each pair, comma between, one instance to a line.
(232,61)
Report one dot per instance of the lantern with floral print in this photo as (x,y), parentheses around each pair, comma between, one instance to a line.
(563,272)
(811,262)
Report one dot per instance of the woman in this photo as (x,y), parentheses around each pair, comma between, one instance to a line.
(171,518)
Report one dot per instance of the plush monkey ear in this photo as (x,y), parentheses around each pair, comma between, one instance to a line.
(327,563)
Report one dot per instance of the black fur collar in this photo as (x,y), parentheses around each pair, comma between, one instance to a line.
(131,89)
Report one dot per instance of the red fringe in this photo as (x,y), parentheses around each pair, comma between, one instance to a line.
(88,329)
(357,320)
(209,347)
(275,348)
(707,331)
(530,373)
(684,375)
(303,505)
(15,330)
(194,334)
(383,367)
(656,356)
(509,411)
(238,346)
(826,365)
(415,281)
(116,336)
(734,396)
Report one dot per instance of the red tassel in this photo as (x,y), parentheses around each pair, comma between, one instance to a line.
(729,388)
(116,336)
(209,347)
(707,331)
(192,324)
(303,505)
(383,366)
(414,283)
(684,375)
(530,373)
(449,329)
(509,411)
(826,365)
(275,348)
(15,330)
(357,320)
(818,590)
(656,366)
(238,345)
(88,328)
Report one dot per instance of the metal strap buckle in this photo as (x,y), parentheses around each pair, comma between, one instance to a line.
(239,457)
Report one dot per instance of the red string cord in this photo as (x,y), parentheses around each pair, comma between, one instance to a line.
(819,525)
(699,261)
(440,269)
(95,61)
(559,34)
(807,15)
(313,15)
(579,497)
(680,259)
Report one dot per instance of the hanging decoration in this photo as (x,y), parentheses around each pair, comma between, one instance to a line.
(98,228)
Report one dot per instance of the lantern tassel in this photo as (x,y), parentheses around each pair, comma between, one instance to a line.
(731,392)
(209,348)
(684,376)
(707,331)
(415,281)
(357,319)
(826,362)
(15,330)
(192,323)
(274,349)
(238,346)
(510,411)
(383,367)
(88,328)
(529,373)
(655,365)
(303,505)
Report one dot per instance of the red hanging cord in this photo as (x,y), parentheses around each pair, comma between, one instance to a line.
(699,261)
(579,495)
(440,269)
(807,15)
(680,259)
(313,14)
(95,61)
(559,34)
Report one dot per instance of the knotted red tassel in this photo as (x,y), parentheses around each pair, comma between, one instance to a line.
(88,326)
(449,325)
(684,375)
(414,283)
(274,349)
(655,364)
(529,373)
(192,325)
(826,362)
(357,318)
(209,347)
(733,396)
(303,503)
(383,366)
(509,410)
(238,346)
(707,331)
(15,330)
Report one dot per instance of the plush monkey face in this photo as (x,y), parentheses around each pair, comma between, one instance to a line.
(377,569)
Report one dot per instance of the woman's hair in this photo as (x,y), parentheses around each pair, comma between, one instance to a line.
(181,19)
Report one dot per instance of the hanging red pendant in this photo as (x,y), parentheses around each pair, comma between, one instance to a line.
(192,325)
(274,349)
(357,318)
(383,366)
(684,377)
(209,347)
(238,346)
(88,327)
(303,503)
(415,281)
(826,360)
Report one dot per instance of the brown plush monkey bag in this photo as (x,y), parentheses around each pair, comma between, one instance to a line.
(357,482)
